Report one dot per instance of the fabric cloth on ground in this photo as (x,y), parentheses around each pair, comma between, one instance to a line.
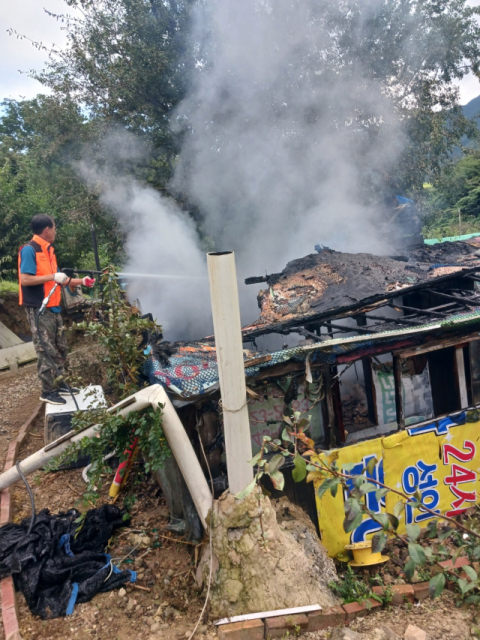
(53,567)
(55,344)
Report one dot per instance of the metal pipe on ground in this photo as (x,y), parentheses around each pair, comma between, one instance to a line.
(174,432)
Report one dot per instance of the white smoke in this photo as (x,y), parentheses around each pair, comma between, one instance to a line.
(284,125)
(281,129)
(162,241)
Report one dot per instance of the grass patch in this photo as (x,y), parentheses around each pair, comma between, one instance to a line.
(6,286)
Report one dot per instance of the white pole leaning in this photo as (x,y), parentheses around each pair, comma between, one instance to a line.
(228,341)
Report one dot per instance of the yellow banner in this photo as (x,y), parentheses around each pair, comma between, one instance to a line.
(441,460)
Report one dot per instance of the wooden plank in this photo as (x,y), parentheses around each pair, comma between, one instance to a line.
(435,345)
(397,375)
(19,354)
(269,614)
(330,409)
(8,338)
(260,360)
(462,381)
(11,373)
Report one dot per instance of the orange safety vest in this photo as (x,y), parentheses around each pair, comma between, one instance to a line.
(33,296)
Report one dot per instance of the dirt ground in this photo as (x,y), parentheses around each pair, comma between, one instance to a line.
(168,605)
(440,619)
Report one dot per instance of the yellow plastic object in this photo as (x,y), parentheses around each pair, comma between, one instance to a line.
(363,555)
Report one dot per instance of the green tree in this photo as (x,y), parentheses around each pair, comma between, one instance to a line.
(126,62)
(40,140)
(453,202)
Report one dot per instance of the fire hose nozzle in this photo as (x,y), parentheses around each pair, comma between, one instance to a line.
(47,299)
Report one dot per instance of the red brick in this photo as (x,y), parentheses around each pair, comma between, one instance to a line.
(332,617)
(8,593)
(460,562)
(421,590)
(10,621)
(278,627)
(248,630)
(402,593)
(355,609)
(5,507)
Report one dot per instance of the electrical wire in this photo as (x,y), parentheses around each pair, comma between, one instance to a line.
(210,544)
(30,493)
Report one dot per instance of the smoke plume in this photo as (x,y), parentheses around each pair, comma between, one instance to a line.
(284,130)
(162,246)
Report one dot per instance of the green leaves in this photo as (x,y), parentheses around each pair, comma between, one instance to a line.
(398,508)
(274,464)
(416,552)
(300,471)
(329,483)
(278,480)
(371,465)
(241,495)
(471,573)
(379,541)
(381,493)
(409,569)
(353,514)
(436,585)
(413,531)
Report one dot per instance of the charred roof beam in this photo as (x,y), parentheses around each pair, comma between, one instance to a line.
(399,320)
(425,312)
(460,299)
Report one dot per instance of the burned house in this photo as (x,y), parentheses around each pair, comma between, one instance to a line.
(386,347)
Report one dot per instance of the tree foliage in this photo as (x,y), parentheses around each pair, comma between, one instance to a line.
(40,140)
(453,202)
(119,329)
(126,61)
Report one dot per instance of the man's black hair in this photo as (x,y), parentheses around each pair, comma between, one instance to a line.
(40,222)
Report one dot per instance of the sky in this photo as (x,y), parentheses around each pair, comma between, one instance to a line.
(28,18)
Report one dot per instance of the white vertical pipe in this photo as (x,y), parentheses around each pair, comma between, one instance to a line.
(462,381)
(228,341)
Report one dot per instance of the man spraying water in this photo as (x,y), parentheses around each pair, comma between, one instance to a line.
(39,281)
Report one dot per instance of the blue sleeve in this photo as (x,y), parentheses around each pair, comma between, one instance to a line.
(28,262)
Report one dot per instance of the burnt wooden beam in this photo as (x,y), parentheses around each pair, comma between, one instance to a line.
(426,312)
(361,306)
(461,300)
(397,320)
(346,329)
(368,377)
(309,334)
(330,408)
(397,377)
(256,280)
(337,406)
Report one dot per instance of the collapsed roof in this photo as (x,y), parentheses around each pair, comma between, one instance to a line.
(330,285)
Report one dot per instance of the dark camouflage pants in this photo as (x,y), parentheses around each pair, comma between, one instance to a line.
(54,344)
